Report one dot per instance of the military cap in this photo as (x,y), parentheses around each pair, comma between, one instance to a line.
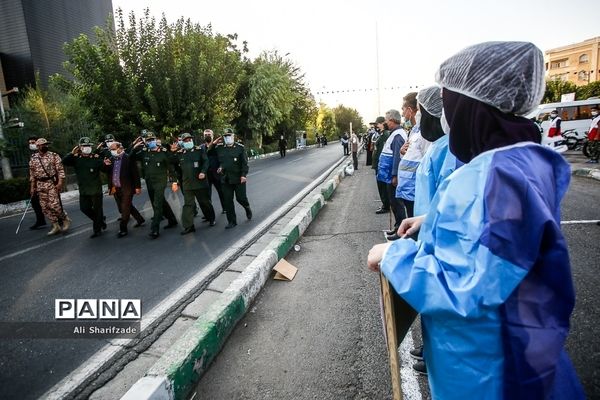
(85,141)
(109,137)
(185,136)
(379,120)
(228,131)
(41,141)
(149,135)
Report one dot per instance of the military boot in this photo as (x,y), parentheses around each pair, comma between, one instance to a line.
(66,223)
(55,229)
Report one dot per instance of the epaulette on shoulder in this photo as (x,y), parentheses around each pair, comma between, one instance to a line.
(144,149)
(163,149)
(96,156)
(239,144)
(219,145)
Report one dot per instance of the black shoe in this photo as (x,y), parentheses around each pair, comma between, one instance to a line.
(154,235)
(382,211)
(212,223)
(204,219)
(417,353)
(389,233)
(119,219)
(96,234)
(188,230)
(122,234)
(171,225)
(231,225)
(248,213)
(420,367)
(393,237)
(104,226)
(139,223)
(37,225)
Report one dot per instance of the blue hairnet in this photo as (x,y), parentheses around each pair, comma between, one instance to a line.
(430,98)
(505,75)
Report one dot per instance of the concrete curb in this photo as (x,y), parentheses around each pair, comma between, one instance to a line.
(182,365)
(593,173)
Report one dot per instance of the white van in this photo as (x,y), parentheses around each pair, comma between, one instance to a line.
(575,115)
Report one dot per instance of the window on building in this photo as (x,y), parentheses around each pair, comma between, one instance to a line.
(582,76)
(583,59)
(559,63)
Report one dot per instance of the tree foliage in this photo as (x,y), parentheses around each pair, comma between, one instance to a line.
(326,123)
(555,88)
(346,115)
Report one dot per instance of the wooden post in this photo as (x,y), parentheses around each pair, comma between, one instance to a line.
(391,336)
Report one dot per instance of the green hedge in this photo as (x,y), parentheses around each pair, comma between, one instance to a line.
(12,190)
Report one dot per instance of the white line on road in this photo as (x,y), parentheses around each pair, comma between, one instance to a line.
(297,159)
(589,221)
(408,377)
(255,172)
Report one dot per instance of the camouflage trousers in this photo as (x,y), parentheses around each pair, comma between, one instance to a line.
(50,201)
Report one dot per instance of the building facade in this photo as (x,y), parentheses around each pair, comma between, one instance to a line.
(578,63)
(33,33)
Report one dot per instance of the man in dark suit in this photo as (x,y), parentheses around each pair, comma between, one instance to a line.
(123,183)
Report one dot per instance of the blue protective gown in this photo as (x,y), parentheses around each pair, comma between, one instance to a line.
(491,278)
(436,166)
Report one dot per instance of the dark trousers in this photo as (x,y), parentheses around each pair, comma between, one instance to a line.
(410,207)
(383,195)
(189,202)
(214,179)
(355,159)
(282,151)
(239,190)
(91,206)
(396,205)
(37,208)
(160,206)
(346,152)
(124,199)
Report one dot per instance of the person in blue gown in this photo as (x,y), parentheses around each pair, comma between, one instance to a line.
(490,272)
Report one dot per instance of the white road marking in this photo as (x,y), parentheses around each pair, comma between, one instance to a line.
(297,159)
(255,172)
(408,377)
(589,221)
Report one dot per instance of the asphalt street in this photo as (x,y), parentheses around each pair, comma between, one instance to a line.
(37,269)
(320,335)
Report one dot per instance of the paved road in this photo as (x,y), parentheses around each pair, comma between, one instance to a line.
(320,336)
(74,266)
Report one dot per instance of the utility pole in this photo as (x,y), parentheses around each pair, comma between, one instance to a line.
(6,170)
(377,61)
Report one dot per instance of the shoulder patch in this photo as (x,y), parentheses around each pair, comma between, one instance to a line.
(239,144)
(96,156)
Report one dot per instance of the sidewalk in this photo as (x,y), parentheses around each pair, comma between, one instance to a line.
(319,336)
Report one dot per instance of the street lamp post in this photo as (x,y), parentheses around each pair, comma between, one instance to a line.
(6,170)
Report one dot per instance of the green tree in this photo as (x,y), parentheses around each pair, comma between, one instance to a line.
(326,123)
(346,115)
(555,88)
(590,90)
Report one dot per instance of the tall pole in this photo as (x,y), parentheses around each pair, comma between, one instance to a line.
(6,171)
(377,61)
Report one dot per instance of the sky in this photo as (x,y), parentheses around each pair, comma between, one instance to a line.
(342,46)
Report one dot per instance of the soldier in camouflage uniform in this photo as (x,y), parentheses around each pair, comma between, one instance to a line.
(87,168)
(233,168)
(47,177)
(194,166)
(156,167)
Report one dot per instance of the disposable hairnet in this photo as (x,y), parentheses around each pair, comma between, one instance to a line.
(431,99)
(505,75)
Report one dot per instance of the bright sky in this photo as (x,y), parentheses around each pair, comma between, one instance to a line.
(334,41)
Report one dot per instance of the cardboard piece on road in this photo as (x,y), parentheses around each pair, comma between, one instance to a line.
(284,271)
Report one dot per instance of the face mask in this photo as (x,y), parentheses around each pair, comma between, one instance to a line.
(207,139)
(444,123)
(114,153)
(418,118)
(188,145)
(594,113)
(86,150)
(407,125)
(32,147)
(553,115)
(228,140)
(151,144)
(180,143)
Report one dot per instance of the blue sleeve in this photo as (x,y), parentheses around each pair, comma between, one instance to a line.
(449,270)
(397,143)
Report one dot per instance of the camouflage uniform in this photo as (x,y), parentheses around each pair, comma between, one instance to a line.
(44,179)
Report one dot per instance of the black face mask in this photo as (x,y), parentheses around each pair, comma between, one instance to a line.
(43,149)
(207,139)
(431,128)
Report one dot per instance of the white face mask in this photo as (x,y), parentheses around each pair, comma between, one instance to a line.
(86,150)
(114,153)
(553,115)
(32,146)
(594,113)
(228,139)
(418,118)
(444,123)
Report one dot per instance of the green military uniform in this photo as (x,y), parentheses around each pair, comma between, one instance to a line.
(192,163)
(233,165)
(87,169)
(156,167)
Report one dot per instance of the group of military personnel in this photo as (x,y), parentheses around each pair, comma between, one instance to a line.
(194,168)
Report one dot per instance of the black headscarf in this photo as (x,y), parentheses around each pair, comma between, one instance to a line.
(431,129)
(476,127)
